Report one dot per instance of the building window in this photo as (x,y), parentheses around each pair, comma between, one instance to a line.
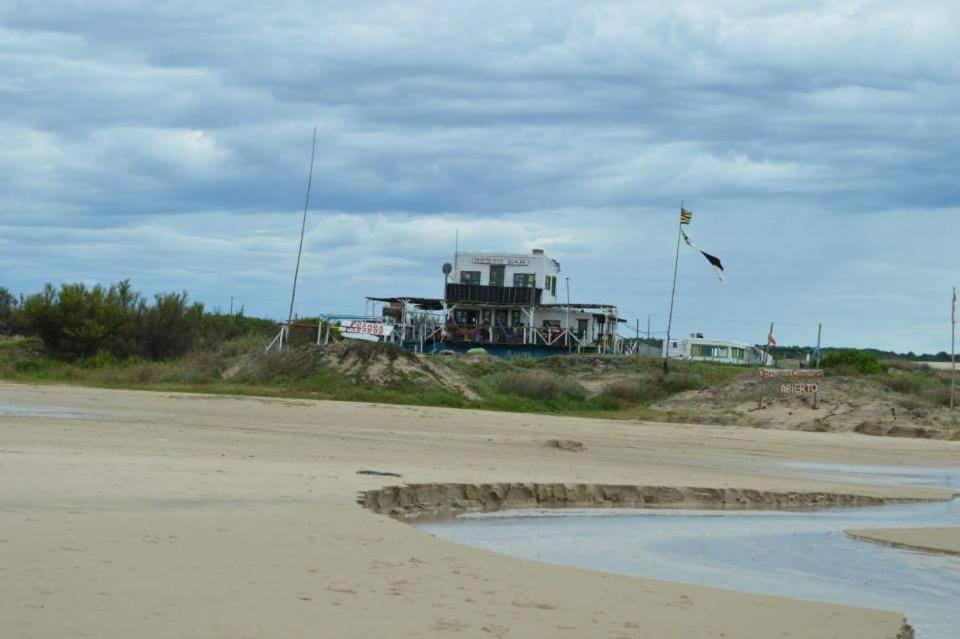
(738,353)
(551,285)
(465,318)
(470,277)
(524,280)
(710,351)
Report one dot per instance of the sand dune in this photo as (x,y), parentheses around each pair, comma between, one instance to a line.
(126,514)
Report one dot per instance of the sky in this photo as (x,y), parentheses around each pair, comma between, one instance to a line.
(817,143)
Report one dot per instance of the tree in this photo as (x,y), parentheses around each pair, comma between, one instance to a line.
(8,309)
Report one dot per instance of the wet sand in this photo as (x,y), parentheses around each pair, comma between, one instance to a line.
(161,515)
(937,540)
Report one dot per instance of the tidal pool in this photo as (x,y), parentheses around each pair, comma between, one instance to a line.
(803,555)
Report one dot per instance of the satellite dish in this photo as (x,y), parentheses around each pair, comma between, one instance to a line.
(447,268)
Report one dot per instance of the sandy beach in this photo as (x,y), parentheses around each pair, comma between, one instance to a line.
(134,514)
(936,540)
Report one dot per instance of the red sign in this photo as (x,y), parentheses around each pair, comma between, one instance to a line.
(790,372)
(366,328)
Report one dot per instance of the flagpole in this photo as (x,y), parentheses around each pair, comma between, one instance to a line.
(763,380)
(673,295)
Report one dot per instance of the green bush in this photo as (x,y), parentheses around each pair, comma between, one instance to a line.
(853,360)
(77,322)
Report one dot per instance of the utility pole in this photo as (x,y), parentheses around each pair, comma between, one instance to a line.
(567,340)
(638,337)
(231,304)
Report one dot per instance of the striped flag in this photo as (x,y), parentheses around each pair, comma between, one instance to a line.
(685,216)
(770,339)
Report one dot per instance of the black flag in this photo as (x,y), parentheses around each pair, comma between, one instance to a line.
(714,260)
(715,263)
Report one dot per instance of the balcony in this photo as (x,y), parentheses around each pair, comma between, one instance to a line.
(498,295)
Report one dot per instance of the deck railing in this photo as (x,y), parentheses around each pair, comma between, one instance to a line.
(476,293)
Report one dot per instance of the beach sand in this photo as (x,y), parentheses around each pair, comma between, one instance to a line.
(133,514)
(936,540)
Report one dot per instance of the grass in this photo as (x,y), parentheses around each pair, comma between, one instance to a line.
(582,385)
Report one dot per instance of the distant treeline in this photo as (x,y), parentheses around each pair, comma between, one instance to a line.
(800,352)
(78,321)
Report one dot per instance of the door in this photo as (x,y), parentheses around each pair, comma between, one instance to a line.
(497,275)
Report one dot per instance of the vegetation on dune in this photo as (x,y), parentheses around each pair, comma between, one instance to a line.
(113,336)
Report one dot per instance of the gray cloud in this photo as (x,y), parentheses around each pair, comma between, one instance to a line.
(169,143)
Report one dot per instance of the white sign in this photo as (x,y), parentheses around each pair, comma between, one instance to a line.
(365,330)
(502,261)
(799,389)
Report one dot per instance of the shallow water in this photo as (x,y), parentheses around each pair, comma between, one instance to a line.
(884,475)
(803,555)
(29,410)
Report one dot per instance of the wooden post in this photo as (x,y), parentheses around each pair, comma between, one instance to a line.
(816,395)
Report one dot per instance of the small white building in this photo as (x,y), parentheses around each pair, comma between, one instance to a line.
(509,270)
(698,348)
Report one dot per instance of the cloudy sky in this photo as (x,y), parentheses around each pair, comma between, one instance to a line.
(819,148)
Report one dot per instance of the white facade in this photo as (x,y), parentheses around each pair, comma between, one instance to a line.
(535,267)
(697,348)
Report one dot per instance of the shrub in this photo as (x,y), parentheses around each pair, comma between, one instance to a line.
(627,390)
(539,385)
(651,388)
(853,360)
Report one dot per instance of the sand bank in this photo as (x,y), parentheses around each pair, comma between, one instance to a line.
(432,500)
(162,515)
(937,540)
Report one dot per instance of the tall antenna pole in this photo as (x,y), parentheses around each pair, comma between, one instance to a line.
(303,228)
(673,295)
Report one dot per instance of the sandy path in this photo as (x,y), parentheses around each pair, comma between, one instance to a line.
(939,540)
(158,515)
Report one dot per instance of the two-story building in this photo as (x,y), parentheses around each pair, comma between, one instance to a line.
(509,300)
